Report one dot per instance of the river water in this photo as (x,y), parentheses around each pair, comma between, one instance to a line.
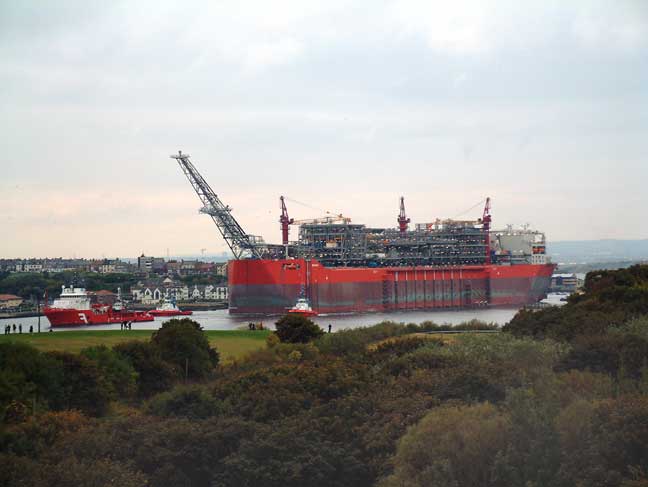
(221,319)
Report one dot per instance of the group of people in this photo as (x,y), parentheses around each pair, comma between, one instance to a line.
(8,329)
(126,325)
(255,326)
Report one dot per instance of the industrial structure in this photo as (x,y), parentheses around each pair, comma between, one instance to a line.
(340,266)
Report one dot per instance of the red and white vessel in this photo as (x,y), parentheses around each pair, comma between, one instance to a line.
(302,307)
(169,308)
(74,308)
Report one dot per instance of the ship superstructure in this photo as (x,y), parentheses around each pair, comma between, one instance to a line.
(340,266)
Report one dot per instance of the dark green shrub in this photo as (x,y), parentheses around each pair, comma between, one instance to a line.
(183,344)
(116,369)
(189,402)
(153,374)
(294,328)
(81,385)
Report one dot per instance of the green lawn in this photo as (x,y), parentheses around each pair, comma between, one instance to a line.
(230,344)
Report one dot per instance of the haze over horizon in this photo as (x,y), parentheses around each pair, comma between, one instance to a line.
(542,105)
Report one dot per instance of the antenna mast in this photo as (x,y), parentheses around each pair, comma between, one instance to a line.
(402,217)
(241,244)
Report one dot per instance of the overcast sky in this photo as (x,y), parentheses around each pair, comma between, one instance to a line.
(342,105)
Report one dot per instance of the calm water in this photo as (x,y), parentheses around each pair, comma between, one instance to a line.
(221,320)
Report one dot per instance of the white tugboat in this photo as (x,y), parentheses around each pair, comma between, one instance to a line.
(302,307)
(169,308)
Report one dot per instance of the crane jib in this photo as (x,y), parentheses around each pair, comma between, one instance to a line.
(241,244)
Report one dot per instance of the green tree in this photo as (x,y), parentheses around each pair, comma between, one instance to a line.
(184,345)
(189,402)
(154,374)
(294,328)
(27,376)
(82,386)
(118,372)
(453,446)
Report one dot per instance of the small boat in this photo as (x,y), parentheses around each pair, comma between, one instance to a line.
(302,307)
(169,308)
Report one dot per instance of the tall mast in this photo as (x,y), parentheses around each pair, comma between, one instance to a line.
(241,244)
(285,221)
(402,217)
(486,221)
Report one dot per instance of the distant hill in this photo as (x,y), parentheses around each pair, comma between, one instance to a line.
(598,251)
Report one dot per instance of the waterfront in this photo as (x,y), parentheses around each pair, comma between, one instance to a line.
(222,320)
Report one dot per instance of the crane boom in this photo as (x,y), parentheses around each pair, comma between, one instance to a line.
(241,244)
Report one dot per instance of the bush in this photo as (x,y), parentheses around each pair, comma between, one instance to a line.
(154,374)
(82,386)
(622,356)
(294,328)
(183,344)
(27,377)
(189,402)
(118,372)
(451,446)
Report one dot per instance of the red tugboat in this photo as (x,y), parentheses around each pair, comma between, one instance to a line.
(73,308)
(303,308)
(169,308)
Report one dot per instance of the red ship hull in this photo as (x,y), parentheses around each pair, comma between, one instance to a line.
(259,286)
(75,317)
(157,312)
(307,314)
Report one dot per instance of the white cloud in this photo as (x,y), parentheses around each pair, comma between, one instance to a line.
(625,26)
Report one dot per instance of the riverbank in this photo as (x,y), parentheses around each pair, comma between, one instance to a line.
(20,314)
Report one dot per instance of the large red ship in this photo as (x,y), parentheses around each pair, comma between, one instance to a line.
(271,286)
(74,308)
(340,267)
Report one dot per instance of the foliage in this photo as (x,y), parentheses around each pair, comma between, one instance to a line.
(26,376)
(118,372)
(81,385)
(154,374)
(188,402)
(452,446)
(387,405)
(614,354)
(609,299)
(294,328)
(183,344)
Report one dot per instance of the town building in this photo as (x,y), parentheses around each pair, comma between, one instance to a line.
(10,301)
(568,283)
(151,264)
(154,291)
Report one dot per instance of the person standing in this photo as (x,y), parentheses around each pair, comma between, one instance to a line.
(20,328)
(31,328)
(14,328)
(329,328)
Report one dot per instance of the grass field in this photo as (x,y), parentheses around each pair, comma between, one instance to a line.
(230,344)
